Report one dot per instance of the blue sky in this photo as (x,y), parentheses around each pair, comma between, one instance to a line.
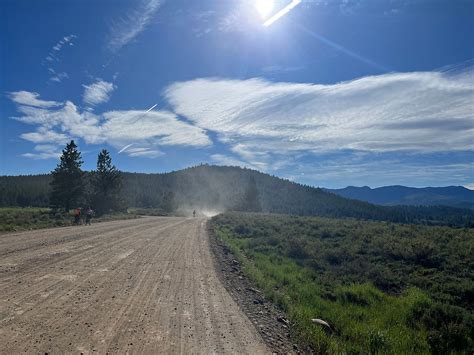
(333,93)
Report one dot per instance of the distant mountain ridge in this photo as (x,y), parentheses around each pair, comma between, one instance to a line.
(454,196)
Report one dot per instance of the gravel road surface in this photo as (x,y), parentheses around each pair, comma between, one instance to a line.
(135,286)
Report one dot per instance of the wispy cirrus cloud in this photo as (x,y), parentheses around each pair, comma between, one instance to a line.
(395,125)
(53,55)
(223,159)
(156,128)
(400,169)
(258,161)
(98,92)
(392,112)
(53,58)
(128,27)
(144,152)
(29,98)
(44,135)
(57,77)
(44,151)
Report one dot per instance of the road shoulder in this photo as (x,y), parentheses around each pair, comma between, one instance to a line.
(270,322)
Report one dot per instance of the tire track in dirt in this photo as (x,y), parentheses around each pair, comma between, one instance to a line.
(94,253)
(135,286)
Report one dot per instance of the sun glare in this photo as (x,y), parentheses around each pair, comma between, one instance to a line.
(264,7)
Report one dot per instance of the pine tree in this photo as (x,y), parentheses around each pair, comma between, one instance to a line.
(68,183)
(106,183)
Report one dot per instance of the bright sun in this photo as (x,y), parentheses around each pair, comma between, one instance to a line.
(264,7)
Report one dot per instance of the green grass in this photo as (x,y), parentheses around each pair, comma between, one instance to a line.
(385,288)
(20,219)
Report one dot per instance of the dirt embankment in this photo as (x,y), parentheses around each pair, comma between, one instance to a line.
(137,286)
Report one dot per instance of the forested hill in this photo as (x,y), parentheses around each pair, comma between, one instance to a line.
(219,188)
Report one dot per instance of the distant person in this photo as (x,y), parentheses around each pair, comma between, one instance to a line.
(194,213)
(89,214)
(77,216)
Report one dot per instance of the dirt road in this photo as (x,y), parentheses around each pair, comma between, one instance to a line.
(135,286)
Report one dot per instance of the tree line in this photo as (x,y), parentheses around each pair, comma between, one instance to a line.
(226,188)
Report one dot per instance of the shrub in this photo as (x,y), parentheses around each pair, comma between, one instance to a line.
(297,248)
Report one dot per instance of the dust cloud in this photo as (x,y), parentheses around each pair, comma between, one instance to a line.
(200,211)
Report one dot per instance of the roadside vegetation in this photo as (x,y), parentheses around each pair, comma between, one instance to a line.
(148,212)
(382,287)
(20,219)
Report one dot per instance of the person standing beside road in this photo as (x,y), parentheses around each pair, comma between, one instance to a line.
(89,214)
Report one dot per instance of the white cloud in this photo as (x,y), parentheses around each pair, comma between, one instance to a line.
(420,112)
(53,54)
(30,99)
(159,127)
(98,92)
(66,117)
(127,28)
(44,151)
(144,152)
(222,159)
(381,171)
(57,77)
(276,69)
(44,135)
(147,130)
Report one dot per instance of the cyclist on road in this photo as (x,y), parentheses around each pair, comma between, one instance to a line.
(77,216)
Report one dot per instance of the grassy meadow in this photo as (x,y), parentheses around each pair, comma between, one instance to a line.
(382,287)
(26,218)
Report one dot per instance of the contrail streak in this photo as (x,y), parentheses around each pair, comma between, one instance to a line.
(129,145)
(151,108)
(282,12)
(125,148)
